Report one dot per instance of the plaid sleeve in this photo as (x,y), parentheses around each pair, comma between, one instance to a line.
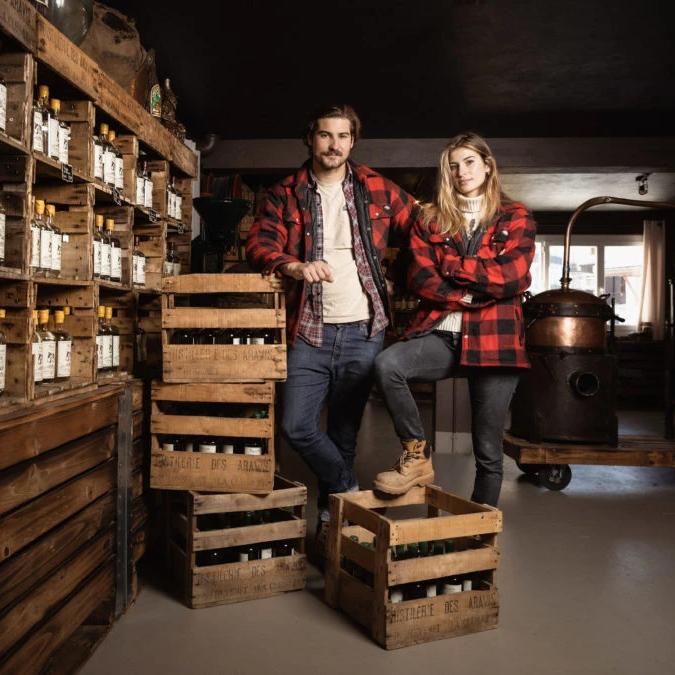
(505,274)
(268,236)
(426,280)
(405,213)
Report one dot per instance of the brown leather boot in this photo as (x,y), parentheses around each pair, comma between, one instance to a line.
(413,468)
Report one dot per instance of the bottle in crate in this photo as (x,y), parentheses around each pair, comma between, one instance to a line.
(64,137)
(98,242)
(41,120)
(46,240)
(100,144)
(138,265)
(36,349)
(118,162)
(53,149)
(115,251)
(103,342)
(48,342)
(114,340)
(64,348)
(57,242)
(106,250)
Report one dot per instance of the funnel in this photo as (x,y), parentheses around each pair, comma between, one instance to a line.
(221,217)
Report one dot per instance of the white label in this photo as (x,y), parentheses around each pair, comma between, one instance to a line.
(116,351)
(3,227)
(147,200)
(106,259)
(64,143)
(3,107)
(140,190)
(37,362)
(134,268)
(252,450)
(176,268)
(236,340)
(168,268)
(448,589)
(207,447)
(98,161)
(100,348)
(3,365)
(257,341)
(141,270)
(119,173)
(48,359)
(54,141)
(108,167)
(107,351)
(63,355)
(228,449)
(431,591)
(56,251)
(35,246)
(115,263)
(265,553)
(170,205)
(467,585)
(45,249)
(188,446)
(97,257)
(179,207)
(243,556)
(396,596)
(168,447)
(38,143)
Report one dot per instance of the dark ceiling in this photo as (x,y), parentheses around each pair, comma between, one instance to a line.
(254,69)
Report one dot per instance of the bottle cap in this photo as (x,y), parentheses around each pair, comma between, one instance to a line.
(43,91)
(51,209)
(112,135)
(110,224)
(2,313)
(103,129)
(44,315)
(66,310)
(35,315)
(55,104)
(101,312)
(59,316)
(99,220)
(108,312)
(39,206)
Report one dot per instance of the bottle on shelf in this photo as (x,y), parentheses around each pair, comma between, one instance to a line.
(41,119)
(3,355)
(64,347)
(54,129)
(3,235)
(48,348)
(100,145)
(108,156)
(284,548)
(115,251)
(114,343)
(57,241)
(36,348)
(147,187)
(3,104)
(46,241)
(64,138)
(106,251)
(138,265)
(98,246)
(103,343)
(118,161)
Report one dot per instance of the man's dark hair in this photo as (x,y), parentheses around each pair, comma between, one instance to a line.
(334,110)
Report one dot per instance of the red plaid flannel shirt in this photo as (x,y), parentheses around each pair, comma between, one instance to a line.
(493,331)
(283,231)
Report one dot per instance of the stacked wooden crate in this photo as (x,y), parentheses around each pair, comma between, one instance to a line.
(223,349)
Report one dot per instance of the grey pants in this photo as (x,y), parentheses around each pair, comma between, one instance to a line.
(434,357)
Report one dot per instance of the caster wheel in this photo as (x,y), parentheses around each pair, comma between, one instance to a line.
(555,476)
(529,469)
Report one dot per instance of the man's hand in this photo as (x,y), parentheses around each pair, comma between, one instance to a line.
(309,271)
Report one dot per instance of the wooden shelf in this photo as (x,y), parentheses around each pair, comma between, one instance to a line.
(57,281)
(13,273)
(10,146)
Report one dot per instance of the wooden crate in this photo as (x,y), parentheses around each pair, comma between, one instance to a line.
(80,116)
(152,243)
(124,225)
(212,472)
(226,362)
(15,202)
(206,585)
(160,174)
(472,526)
(148,362)
(17,70)
(123,304)
(128,146)
(16,298)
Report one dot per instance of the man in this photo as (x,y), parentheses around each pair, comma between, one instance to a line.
(327,228)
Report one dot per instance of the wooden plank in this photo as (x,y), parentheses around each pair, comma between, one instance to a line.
(357,553)
(237,582)
(208,393)
(367,499)
(255,534)
(452,504)
(26,524)
(356,514)
(34,607)
(67,59)
(222,283)
(27,568)
(444,527)
(28,481)
(441,566)
(35,652)
(18,18)
(282,497)
(211,426)
(356,599)
(194,317)
(184,158)
(115,101)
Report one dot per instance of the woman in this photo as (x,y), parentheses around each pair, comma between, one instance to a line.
(471,254)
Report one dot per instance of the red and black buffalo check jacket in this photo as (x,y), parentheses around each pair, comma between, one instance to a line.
(283,230)
(442,274)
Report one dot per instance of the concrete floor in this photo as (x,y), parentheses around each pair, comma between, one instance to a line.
(586,586)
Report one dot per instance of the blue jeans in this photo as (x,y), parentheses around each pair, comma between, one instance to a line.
(433,357)
(340,375)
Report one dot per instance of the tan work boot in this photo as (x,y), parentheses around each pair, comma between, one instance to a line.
(413,468)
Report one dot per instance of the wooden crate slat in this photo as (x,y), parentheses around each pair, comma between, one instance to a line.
(453,504)
(211,426)
(19,19)
(367,499)
(359,516)
(356,599)
(207,393)
(255,534)
(194,317)
(292,494)
(222,283)
(361,555)
(444,527)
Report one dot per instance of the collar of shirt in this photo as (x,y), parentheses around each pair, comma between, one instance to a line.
(313,182)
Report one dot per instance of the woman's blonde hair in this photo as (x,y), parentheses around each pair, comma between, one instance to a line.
(444,210)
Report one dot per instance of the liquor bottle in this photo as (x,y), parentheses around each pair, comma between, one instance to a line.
(266,550)
(100,142)
(228,446)
(3,355)
(451,585)
(57,242)
(182,336)
(64,139)
(41,120)
(108,156)
(208,445)
(114,339)
(284,548)
(54,128)
(98,246)
(3,229)
(138,265)
(48,347)
(46,241)
(103,338)
(115,251)
(3,104)
(396,594)
(106,254)
(64,347)
(36,345)
(118,162)
(188,445)
(147,187)
(35,238)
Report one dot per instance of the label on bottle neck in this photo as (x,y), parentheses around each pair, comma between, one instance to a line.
(265,553)
(38,140)
(116,351)
(63,358)
(46,249)
(3,107)
(37,362)
(48,359)
(3,366)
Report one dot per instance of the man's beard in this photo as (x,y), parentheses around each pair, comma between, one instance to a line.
(324,157)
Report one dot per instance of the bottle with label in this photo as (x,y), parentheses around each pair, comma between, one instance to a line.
(64,138)
(114,339)
(3,235)
(103,338)
(118,162)
(138,265)
(284,548)
(64,347)
(57,241)
(35,231)
(46,241)
(41,119)
(54,128)
(155,101)
(36,344)
(3,355)
(98,245)
(106,254)
(147,187)
(115,251)
(100,144)
(48,347)
(108,157)
(3,104)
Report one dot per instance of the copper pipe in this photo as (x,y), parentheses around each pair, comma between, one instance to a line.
(565,279)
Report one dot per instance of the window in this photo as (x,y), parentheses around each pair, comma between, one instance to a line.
(598,264)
